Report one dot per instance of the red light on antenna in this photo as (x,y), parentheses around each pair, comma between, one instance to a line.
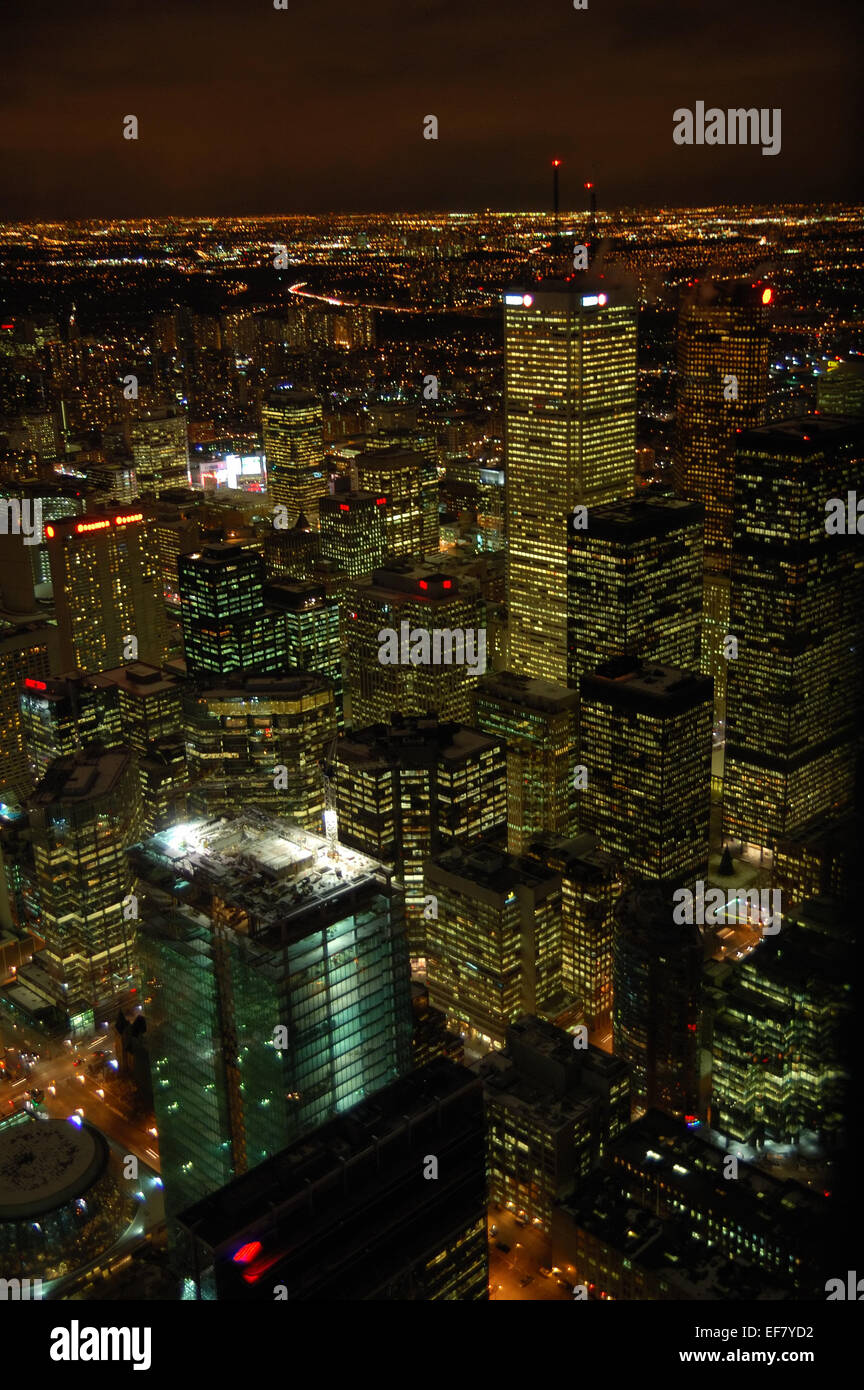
(556,163)
(767,296)
(247,1253)
(589,185)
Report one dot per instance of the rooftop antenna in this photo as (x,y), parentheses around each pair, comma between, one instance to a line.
(556,165)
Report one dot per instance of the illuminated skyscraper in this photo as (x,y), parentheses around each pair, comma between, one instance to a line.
(537,720)
(294,449)
(493,943)
(551,1112)
(107,591)
(353,534)
(794,691)
(590,887)
(646,746)
(27,652)
(312,630)
(226,625)
(406,601)
(634,584)
(413,789)
(779,1062)
(61,714)
(657,984)
(570,381)
(261,742)
(290,553)
(160,450)
(83,815)
(403,478)
(278,972)
(723,353)
(407,473)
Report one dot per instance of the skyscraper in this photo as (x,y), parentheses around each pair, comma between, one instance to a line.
(646,747)
(657,988)
(350,1214)
(634,584)
(107,591)
(277,978)
(406,472)
(537,720)
(794,690)
(83,814)
(226,624)
(409,790)
(723,353)
(405,601)
(570,384)
(312,631)
(27,653)
(262,742)
(493,940)
(160,450)
(353,534)
(294,448)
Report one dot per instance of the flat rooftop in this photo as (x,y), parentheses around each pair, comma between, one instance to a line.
(416,742)
(531,691)
(662,691)
(84,776)
(636,518)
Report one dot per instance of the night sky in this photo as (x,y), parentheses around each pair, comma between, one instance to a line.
(244,109)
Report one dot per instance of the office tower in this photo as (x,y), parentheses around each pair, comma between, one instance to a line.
(291,422)
(723,357)
(794,691)
(590,887)
(83,815)
(160,450)
(493,940)
(149,704)
(290,554)
(657,985)
(412,789)
(402,477)
(262,742)
(570,389)
(62,714)
(537,720)
(28,650)
(646,745)
(432,618)
(176,532)
(312,631)
(634,584)
(841,390)
(663,1221)
(551,1111)
(824,858)
(25,569)
(353,534)
(347,1215)
(251,925)
(782,1033)
(409,467)
(107,591)
(226,625)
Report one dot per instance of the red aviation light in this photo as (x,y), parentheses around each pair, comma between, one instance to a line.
(246,1254)
(380,501)
(34,685)
(50,532)
(344,507)
(767,296)
(448,583)
(423,584)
